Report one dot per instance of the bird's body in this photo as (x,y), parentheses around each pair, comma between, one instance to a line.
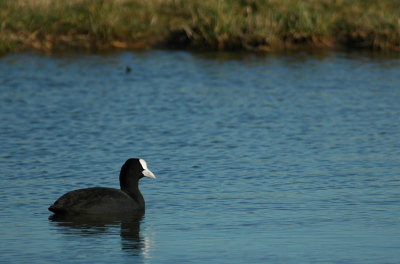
(100,200)
(96,200)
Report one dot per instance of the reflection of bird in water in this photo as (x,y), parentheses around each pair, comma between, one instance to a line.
(128,225)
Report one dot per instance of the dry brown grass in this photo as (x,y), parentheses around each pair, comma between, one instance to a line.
(208,24)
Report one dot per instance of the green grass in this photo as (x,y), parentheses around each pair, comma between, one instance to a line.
(199,24)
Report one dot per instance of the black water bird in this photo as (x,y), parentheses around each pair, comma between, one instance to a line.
(100,200)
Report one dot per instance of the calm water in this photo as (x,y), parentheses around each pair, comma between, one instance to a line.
(274,159)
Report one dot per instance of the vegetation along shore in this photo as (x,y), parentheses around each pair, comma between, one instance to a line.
(256,25)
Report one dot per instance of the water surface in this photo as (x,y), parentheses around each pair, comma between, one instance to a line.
(258,159)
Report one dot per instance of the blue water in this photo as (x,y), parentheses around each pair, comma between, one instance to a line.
(259,159)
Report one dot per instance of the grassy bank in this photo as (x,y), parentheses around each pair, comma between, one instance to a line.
(199,24)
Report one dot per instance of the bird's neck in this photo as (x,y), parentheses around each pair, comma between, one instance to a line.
(134,193)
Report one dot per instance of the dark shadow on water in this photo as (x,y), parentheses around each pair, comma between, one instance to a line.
(94,225)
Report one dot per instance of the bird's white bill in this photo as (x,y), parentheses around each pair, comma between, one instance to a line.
(149,174)
(146,172)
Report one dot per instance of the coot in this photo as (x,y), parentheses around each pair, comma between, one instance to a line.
(99,200)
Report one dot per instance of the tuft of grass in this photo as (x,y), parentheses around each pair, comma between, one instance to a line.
(258,25)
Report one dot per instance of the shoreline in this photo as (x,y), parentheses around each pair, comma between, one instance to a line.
(246,25)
